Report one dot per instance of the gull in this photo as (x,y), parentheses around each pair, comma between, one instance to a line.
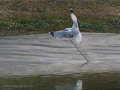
(69,33)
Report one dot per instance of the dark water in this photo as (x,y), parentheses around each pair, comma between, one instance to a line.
(80,81)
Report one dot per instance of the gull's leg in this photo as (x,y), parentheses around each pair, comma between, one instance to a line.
(79,51)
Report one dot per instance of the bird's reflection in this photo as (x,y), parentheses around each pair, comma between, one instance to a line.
(78,85)
(70,86)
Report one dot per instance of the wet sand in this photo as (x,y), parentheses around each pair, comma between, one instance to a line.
(43,54)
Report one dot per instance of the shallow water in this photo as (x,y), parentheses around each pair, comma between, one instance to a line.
(79,81)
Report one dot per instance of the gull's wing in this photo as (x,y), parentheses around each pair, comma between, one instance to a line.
(68,29)
(73,17)
(75,28)
(62,34)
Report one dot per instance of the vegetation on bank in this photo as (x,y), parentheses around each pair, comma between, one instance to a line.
(19,17)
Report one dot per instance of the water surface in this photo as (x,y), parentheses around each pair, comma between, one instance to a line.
(79,81)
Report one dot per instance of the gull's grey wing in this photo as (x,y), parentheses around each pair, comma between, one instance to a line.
(73,17)
(75,28)
(62,34)
(68,29)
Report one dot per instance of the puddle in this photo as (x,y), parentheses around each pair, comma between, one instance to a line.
(79,81)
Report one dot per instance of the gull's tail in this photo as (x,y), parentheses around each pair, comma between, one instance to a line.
(79,37)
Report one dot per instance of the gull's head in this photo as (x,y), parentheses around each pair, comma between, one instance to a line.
(71,10)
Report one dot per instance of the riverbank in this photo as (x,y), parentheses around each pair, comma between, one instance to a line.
(24,17)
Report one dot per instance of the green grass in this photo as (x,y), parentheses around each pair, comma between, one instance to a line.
(36,16)
(84,25)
